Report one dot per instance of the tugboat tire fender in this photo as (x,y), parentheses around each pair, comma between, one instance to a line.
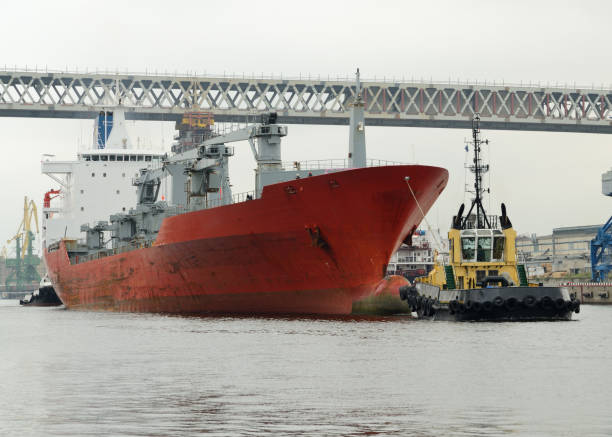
(453,305)
(487,305)
(546,302)
(559,304)
(529,301)
(511,303)
(498,301)
(430,308)
(403,293)
(476,306)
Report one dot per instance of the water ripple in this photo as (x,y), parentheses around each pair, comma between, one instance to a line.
(66,373)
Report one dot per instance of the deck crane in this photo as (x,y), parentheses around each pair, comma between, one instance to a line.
(22,268)
(203,163)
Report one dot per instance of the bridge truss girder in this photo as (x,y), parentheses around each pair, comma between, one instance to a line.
(148,97)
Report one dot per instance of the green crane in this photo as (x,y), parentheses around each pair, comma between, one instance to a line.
(23,268)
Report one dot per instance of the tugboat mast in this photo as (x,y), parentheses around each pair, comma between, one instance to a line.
(482,221)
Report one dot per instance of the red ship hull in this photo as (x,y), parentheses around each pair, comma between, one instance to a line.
(309,246)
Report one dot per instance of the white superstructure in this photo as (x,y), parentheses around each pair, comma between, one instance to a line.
(413,260)
(98,183)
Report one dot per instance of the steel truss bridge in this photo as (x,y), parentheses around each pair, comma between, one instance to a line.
(306,101)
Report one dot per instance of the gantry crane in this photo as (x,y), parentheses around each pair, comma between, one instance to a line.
(601,245)
(22,268)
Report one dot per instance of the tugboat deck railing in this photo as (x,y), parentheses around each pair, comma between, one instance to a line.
(471,222)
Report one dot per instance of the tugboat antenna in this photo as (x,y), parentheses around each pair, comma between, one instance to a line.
(482,221)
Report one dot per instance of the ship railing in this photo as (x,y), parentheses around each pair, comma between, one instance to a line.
(383,163)
(471,222)
(413,259)
(175,210)
(102,253)
(243,197)
(236,198)
(333,164)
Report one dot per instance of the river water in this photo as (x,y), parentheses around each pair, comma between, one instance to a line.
(68,373)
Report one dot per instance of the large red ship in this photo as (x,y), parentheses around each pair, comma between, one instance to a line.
(310,239)
(312,245)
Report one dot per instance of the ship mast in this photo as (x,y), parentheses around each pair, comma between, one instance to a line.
(357,143)
(478,168)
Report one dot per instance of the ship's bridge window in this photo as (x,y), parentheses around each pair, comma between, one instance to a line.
(140,157)
(119,157)
(111,157)
(87,157)
(147,158)
(468,246)
(498,247)
(95,157)
(132,157)
(104,157)
(484,249)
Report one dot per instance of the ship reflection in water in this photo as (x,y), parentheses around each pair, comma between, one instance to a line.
(67,373)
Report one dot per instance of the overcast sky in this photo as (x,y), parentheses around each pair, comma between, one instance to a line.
(547,179)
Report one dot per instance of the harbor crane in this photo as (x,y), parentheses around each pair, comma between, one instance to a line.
(22,268)
(601,245)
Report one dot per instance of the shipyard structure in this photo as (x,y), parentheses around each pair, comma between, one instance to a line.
(564,253)
(414,258)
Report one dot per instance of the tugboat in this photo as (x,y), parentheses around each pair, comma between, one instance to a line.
(43,297)
(482,279)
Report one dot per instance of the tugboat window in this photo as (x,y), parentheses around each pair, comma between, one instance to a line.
(498,248)
(467,248)
(484,249)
